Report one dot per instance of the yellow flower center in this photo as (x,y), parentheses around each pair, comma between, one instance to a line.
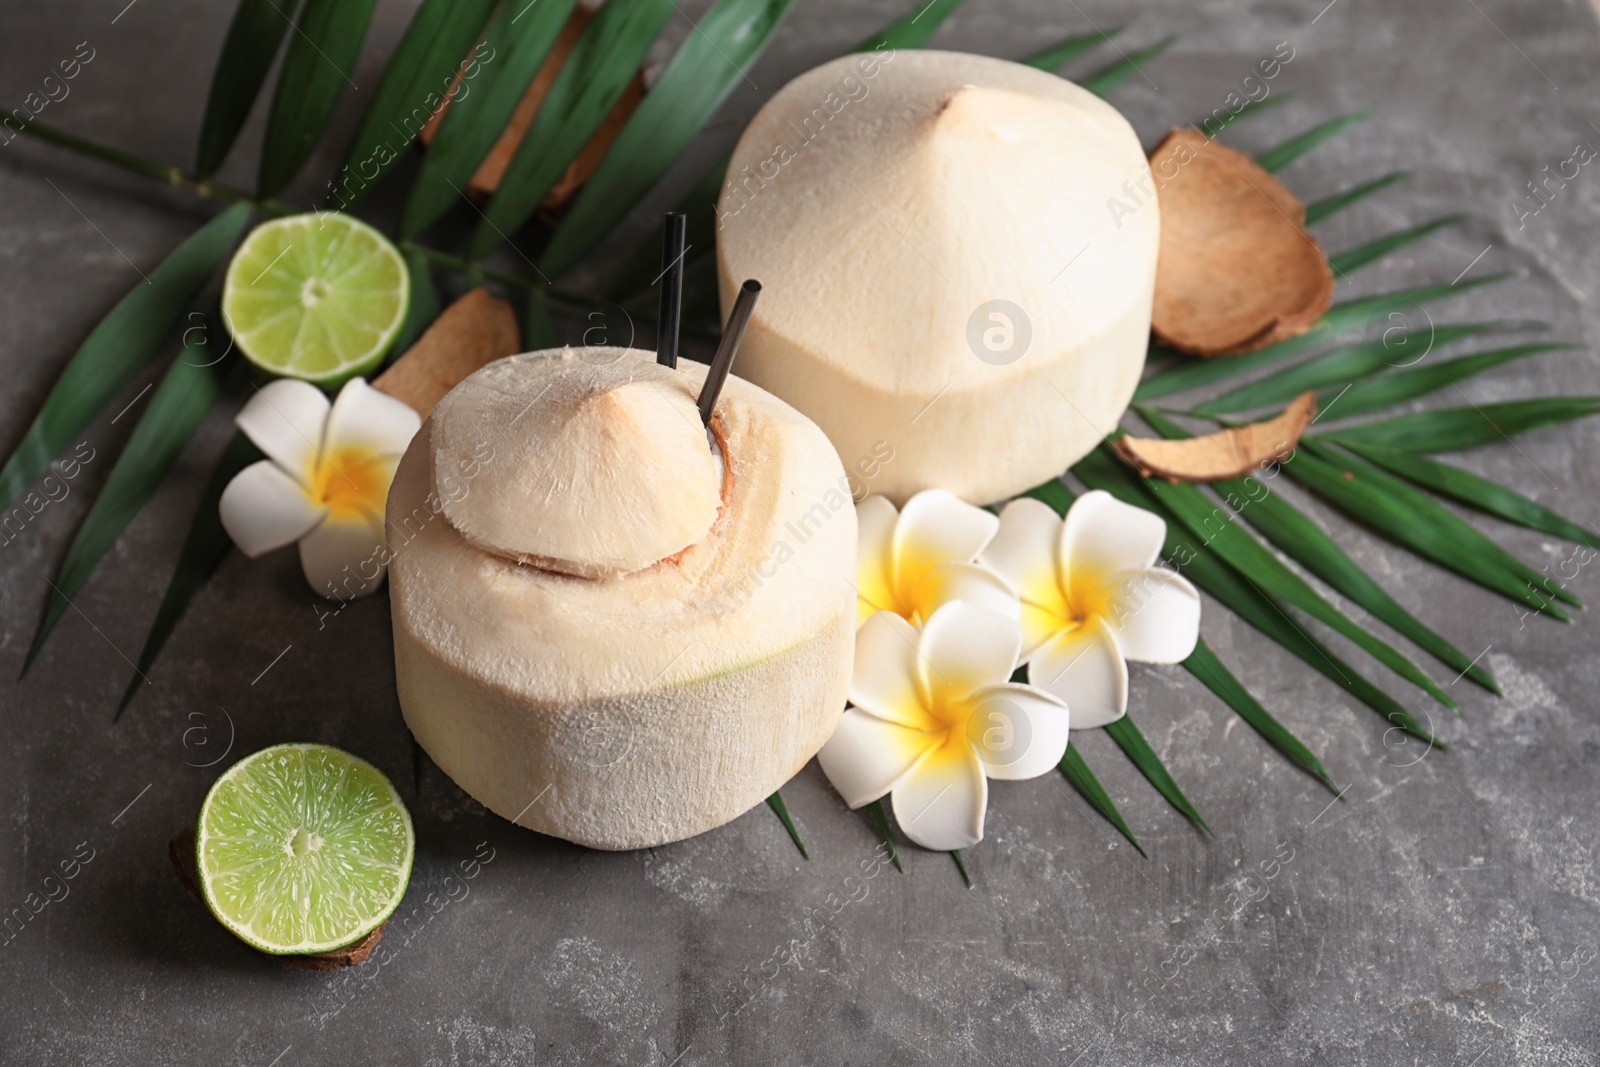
(351,481)
(1086,596)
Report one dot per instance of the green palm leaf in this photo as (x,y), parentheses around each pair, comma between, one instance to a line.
(1139,752)
(520,36)
(1105,81)
(176,408)
(880,820)
(1349,363)
(1458,429)
(961,865)
(1261,568)
(1281,523)
(1206,667)
(1354,259)
(315,72)
(706,68)
(912,29)
(1332,205)
(775,802)
(605,58)
(1416,521)
(254,37)
(1081,778)
(112,355)
(538,329)
(416,79)
(1396,387)
(1059,55)
(203,550)
(1477,492)
(1354,314)
(1281,155)
(1209,670)
(1100,470)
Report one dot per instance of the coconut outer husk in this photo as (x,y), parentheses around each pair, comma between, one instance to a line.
(181,852)
(486,179)
(1237,270)
(942,275)
(1230,453)
(474,331)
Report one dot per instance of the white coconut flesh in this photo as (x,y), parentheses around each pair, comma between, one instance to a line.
(892,216)
(600,632)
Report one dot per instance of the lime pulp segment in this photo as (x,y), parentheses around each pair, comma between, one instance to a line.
(303,848)
(318,297)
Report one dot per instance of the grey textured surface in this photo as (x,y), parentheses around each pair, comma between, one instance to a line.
(1444,912)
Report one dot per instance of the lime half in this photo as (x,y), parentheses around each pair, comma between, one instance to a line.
(319,297)
(303,848)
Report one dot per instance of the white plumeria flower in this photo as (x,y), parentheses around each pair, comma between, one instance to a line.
(934,717)
(914,561)
(1092,599)
(324,482)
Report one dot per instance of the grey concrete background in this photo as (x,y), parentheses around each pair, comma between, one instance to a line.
(1444,912)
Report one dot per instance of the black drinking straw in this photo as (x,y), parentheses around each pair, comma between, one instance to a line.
(671,315)
(732,334)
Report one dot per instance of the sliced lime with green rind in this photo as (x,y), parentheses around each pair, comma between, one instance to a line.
(303,848)
(320,297)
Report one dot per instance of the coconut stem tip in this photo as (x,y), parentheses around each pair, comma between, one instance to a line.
(732,334)
(671,315)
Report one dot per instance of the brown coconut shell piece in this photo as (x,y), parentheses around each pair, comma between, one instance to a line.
(475,330)
(1230,453)
(1237,270)
(486,179)
(181,852)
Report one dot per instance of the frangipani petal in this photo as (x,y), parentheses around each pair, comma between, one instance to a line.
(884,682)
(1103,535)
(363,417)
(969,583)
(1085,668)
(1018,731)
(875,521)
(935,527)
(965,648)
(285,419)
(940,803)
(866,756)
(1155,615)
(263,509)
(344,557)
(1024,552)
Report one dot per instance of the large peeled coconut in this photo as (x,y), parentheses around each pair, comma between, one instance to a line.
(959,255)
(610,626)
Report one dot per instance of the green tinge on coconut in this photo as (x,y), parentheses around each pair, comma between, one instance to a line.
(959,254)
(604,630)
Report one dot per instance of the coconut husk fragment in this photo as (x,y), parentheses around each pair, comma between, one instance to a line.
(181,852)
(486,179)
(1230,453)
(1237,270)
(475,330)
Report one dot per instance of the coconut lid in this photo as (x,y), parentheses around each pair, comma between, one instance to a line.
(592,462)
